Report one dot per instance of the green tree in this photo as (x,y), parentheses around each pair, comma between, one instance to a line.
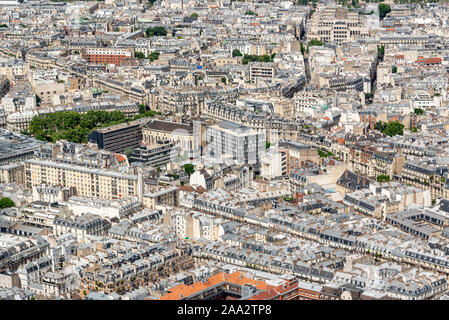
(315,42)
(38,100)
(194,15)
(383,10)
(368,96)
(236,53)
(153,56)
(250,13)
(128,152)
(189,168)
(394,69)
(267,145)
(383,178)
(139,55)
(418,111)
(394,128)
(223,80)
(414,129)
(142,108)
(6,202)
(381,52)
(380,126)
(155,31)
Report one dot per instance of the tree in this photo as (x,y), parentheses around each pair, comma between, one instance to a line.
(155,31)
(381,52)
(394,128)
(194,15)
(153,56)
(383,10)
(236,53)
(223,80)
(139,55)
(128,152)
(383,178)
(368,96)
(380,126)
(315,42)
(6,202)
(267,145)
(324,154)
(418,111)
(189,168)
(38,100)
(250,13)
(142,108)
(414,129)
(394,69)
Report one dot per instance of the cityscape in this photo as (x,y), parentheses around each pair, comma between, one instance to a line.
(224,150)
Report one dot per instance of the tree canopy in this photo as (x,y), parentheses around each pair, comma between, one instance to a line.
(418,111)
(383,10)
(189,168)
(139,55)
(391,128)
(153,56)
(383,178)
(75,127)
(255,58)
(315,42)
(155,31)
(236,53)
(6,202)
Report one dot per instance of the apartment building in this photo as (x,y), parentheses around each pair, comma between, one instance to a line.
(426,175)
(298,155)
(11,173)
(47,89)
(162,195)
(337,24)
(261,71)
(107,55)
(87,182)
(86,224)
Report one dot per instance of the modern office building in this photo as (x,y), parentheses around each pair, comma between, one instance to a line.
(235,142)
(117,138)
(155,154)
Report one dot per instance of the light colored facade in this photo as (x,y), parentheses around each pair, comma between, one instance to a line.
(11,173)
(86,182)
(179,134)
(261,71)
(235,142)
(337,24)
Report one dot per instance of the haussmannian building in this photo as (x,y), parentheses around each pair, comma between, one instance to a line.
(86,182)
